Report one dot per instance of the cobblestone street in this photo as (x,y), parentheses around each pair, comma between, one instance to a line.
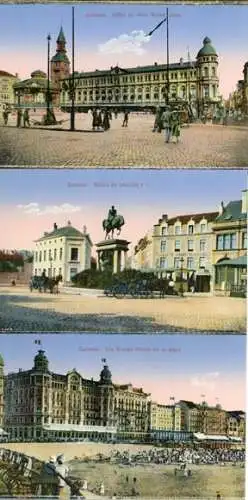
(21,311)
(200,145)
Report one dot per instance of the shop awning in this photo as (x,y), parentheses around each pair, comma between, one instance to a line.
(79,428)
(239,262)
(210,437)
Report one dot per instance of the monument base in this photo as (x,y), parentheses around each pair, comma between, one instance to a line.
(112,255)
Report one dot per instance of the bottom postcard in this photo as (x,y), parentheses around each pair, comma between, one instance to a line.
(118,417)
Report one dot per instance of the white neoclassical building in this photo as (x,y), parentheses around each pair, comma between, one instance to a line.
(64,250)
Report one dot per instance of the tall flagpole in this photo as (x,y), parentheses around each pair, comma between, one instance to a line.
(168,56)
(73,76)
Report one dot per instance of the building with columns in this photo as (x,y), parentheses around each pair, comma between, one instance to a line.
(64,250)
(195,82)
(41,404)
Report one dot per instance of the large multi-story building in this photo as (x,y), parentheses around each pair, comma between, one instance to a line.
(7,94)
(236,424)
(42,404)
(165,417)
(64,251)
(184,242)
(142,258)
(201,418)
(230,245)
(195,82)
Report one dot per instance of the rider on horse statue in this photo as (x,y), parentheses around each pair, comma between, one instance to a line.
(114,221)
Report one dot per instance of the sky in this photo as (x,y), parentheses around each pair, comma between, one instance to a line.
(106,35)
(31,201)
(183,367)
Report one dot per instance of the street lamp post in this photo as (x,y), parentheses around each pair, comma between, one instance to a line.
(167,57)
(181,277)
(48,80)
(72,127)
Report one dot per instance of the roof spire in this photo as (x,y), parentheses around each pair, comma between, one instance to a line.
(61,36)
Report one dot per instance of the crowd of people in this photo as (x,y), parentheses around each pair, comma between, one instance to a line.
(181,455)
(101,118)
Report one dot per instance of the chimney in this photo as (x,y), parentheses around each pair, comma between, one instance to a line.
(181,61)
(155,64)
(244,201)
(69,223)
(55,226)
(221,208)
(84,229)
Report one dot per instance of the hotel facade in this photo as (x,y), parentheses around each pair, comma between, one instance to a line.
(41,405)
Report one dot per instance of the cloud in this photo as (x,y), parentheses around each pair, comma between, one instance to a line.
(132,43)
(205,381)
(35,208)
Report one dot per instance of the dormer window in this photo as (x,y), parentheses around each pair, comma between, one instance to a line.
(191,229)
(164,230)
(178,229)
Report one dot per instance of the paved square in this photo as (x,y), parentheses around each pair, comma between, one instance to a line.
(26,312)
(201,146)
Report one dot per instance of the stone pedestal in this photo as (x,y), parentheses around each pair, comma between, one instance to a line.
(112,255)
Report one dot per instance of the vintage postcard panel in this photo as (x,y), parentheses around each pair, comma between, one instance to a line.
(100,85)
(135,252)
(93,417)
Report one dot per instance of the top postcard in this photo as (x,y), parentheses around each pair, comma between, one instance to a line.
(101,85)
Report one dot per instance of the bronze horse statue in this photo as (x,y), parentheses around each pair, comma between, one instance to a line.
(110,226)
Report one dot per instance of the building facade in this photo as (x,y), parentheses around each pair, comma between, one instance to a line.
(31,93)
(142,258)
(236,424)
(64,251)
(165,417)
(201,418)
(195,82)
(230,245)
(185,243)
(40,404)
(7,94)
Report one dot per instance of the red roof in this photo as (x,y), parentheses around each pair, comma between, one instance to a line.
(5,73)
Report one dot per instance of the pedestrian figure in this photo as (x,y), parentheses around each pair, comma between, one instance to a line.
(157,123)
(19,118)
(175,125)
(99,119)
(102,489)
(116,113)
(94,119)
(26,118)
(218,497)
(63,471)
(126,117)
(106,122)
(166,115)
(5,117)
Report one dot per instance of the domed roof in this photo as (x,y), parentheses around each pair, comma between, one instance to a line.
(106,375)
(207,49)
(38,74)
(1,360)
(41,361)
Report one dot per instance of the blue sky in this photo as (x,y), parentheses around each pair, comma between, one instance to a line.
(96,24)
(198,363)
(191,188)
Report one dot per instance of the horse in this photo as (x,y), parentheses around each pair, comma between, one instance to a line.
(109,227)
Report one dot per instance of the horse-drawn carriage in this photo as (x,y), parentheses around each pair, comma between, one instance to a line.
(45,284)
(140,288)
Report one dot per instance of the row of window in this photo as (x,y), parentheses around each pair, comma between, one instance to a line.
(177,246)
(229,241)
(190,229)
(42,257)
(142,78)
(191,263)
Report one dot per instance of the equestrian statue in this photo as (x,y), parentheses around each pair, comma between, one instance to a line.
(112,223)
